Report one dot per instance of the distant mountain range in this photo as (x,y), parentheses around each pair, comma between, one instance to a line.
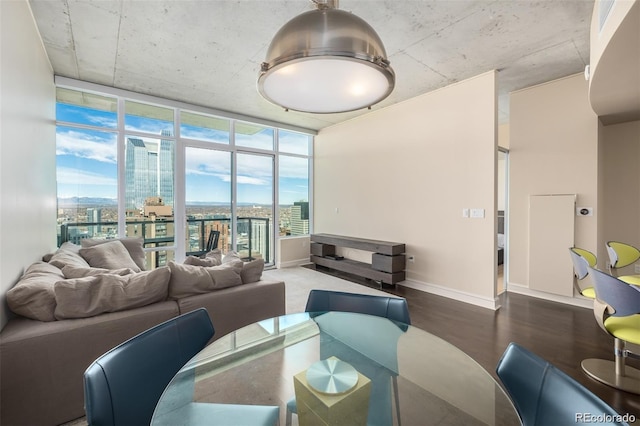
(86,202)
(96,201)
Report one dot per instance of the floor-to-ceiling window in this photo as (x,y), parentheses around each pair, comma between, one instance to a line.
(132,167)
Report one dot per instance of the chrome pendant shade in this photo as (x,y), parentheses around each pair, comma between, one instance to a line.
(326,61)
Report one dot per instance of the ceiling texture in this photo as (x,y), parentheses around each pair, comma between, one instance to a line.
(208,52)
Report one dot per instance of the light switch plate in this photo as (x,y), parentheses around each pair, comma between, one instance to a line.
(477,213)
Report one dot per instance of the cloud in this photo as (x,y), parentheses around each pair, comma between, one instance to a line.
(252,180)
(109,122)
(93,145)
(207,162)
(294,167)
(71,176)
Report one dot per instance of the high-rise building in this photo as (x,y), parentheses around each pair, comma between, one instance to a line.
(136,173)
(149,171)
(166,160)
(94,215)
(260,239)
(300,218)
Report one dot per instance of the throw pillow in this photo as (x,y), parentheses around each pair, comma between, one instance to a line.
(110,255)
(134,245)
(33,296)
(188,280)
(73,272)
(95,295)
(196,261)
(252,271)
(231,256)
(68,254)
(216,255)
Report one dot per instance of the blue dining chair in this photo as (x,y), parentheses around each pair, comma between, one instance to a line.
(617,312)
(123,386)
(392,308)
(544,395)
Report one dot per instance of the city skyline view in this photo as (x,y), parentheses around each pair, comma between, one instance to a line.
(87,159)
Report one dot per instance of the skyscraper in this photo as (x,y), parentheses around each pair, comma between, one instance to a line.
(300,218)
(148,171)
(166,160)
(94,215)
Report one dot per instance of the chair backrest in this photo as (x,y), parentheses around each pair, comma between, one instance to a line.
(544,395)
(622,297)
(212,242)
(393,308)
(621,254)
(123,386)
(581,260)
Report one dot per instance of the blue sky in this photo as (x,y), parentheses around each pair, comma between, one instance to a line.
(86,160)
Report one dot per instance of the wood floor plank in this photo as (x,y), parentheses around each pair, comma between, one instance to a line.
(562,334)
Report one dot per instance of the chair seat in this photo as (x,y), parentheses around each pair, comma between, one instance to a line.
(624,328)
(630,279)
(589,292)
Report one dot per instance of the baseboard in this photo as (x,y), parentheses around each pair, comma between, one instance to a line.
(580,301)
(293,263)
(461,296)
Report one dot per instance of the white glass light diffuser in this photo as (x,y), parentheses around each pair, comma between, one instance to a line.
(326,61)
(324,85)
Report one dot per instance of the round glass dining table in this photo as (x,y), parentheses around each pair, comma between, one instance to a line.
(404,375)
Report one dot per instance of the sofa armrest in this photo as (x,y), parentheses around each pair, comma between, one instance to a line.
(234,307)
(43,362)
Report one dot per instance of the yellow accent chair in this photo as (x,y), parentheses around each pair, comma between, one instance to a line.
(582,259)
(617,311)
(621,255)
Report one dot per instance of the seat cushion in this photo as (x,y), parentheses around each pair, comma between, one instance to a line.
(589,292)
(95,295)
(134,245)
(110,255)
(34,296)
(625,328)
(630,279)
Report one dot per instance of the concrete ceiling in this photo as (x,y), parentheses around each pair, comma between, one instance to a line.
(209,52)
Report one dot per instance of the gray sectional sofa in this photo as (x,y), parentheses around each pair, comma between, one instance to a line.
(64,322)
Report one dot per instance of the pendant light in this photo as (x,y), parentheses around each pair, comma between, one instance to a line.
(326,61)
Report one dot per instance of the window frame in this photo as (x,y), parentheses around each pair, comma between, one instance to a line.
(179,216)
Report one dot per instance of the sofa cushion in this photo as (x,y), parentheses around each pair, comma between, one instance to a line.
(216,255)
(94,295)
(251,271)
(196,261)
(33,295)
(74,272)
(188,280)
(68,254)
(109,255)
(134,245)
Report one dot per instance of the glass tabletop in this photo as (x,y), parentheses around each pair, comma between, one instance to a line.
(407,376)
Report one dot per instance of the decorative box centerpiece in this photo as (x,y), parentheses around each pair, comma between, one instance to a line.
(332,392)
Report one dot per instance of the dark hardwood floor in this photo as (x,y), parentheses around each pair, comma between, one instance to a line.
(562,334)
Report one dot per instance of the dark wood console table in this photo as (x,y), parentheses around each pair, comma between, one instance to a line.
(387,260)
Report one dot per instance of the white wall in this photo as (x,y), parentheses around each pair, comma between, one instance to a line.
(404,173)
(27,147)
(620,200)
(553,150)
